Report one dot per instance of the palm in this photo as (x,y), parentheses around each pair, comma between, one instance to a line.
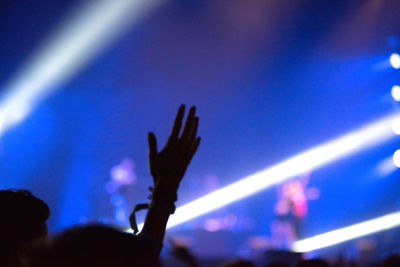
(169,165)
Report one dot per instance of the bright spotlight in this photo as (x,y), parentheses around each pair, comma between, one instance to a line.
(360,139)
(396,158)
(396,126)
(385,167)
(75,43)
(396,93)
(341,235)
(395,60)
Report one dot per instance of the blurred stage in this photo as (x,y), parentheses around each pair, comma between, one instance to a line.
(270,79)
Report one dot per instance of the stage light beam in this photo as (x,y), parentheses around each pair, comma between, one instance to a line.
(396,158)
(363,138)
(385,167)
(395,60)
(396,126)
(396,93)
(341,235)
(74,44)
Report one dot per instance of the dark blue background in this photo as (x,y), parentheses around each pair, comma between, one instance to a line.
(269,78)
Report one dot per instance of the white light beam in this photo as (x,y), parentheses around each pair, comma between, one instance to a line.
(75,43)
(395,61)
(341,235)
(363,138)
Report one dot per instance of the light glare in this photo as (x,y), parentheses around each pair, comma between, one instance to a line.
(357,140)
(395,60)
(396,93)
(396,126)
(385,167)
(75,43)
(396,158)
(341,235)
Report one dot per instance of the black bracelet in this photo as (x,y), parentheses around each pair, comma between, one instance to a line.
(161,205)
(165,206)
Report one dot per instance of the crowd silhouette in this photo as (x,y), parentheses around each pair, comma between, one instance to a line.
(22,223)
(24,240)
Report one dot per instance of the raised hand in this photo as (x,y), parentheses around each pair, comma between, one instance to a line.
(169,165)
(167,168)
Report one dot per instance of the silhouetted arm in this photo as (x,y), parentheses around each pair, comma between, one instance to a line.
(168,168)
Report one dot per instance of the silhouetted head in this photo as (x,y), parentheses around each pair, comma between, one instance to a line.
(238,263)
(392,261)
(23,220)
(95,245)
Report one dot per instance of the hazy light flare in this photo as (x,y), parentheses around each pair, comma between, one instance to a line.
(363,138)
(73,45)
(344,234)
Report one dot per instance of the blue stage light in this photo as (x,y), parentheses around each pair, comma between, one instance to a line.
(75,43)
(396,126)
(344,234)
(396,158)
(395,60)
(355,141)
(396,93)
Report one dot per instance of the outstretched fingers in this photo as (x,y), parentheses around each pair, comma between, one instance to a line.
(188,124)
(194,146)
(176,128)
(193,130)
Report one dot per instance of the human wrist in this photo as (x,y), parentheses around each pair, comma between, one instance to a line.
(164,194)
(162,206)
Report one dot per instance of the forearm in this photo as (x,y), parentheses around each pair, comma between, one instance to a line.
(160,208)
(154,227)
(168,168)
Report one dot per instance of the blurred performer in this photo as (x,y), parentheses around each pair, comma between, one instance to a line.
(290,211)
(121,175)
